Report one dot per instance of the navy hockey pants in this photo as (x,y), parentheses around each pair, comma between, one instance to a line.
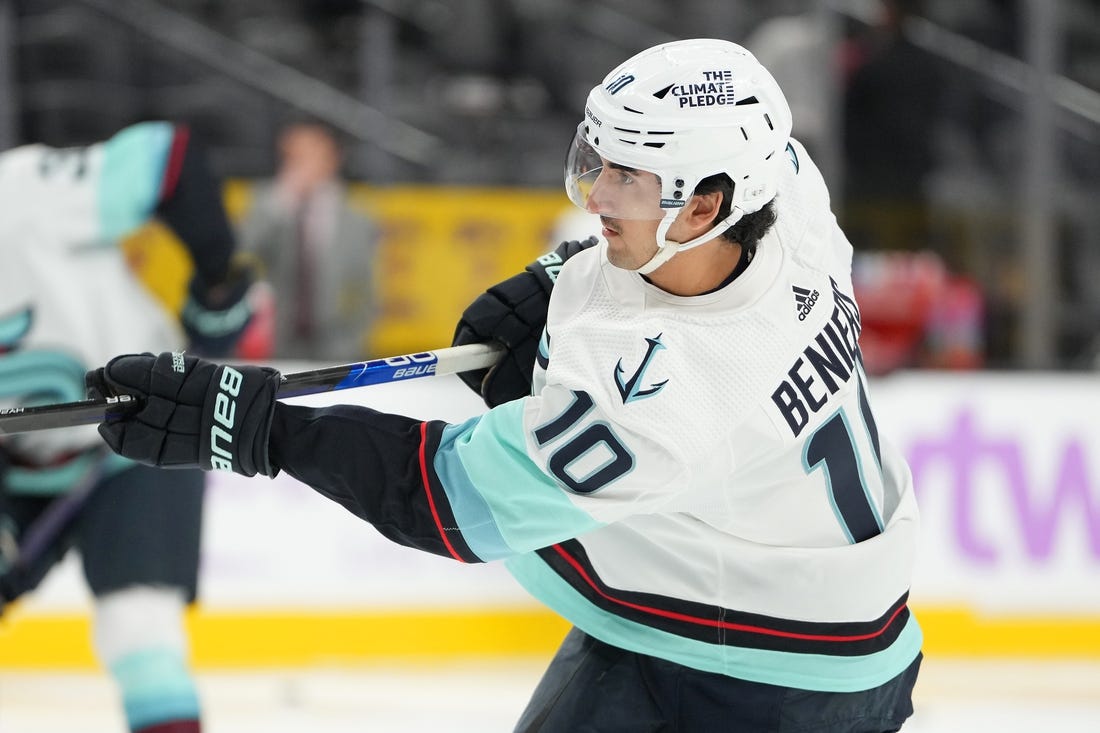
(592,687)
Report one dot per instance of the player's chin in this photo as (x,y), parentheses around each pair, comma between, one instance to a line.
(619,255)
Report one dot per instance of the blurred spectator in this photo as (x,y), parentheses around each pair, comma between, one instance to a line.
(318,251)
(983,119)
(892,103)
(916,313)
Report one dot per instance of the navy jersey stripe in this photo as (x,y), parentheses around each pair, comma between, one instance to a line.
(717,625)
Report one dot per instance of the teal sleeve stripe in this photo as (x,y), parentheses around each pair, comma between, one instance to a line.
(803,671)
(50,481)
(156,687)
(62,479)
(133,167)
(470,510)
(490,479)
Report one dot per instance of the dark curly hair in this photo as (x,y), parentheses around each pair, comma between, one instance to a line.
(749,229)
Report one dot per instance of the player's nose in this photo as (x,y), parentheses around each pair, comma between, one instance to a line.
(596,203)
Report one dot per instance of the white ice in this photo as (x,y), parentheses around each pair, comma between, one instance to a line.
(953,696)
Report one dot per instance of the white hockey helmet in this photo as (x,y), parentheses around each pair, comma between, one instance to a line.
(679,112)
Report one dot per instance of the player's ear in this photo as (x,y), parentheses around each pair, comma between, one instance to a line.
(701,211)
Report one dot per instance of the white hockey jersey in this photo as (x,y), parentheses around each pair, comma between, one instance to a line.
(68,300)
(701,478)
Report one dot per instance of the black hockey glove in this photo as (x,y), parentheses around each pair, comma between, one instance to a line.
(215,316)
(513,313)
(196,413)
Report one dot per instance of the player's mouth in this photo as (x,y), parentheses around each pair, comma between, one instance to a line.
(609,227)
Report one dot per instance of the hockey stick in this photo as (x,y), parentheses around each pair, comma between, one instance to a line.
(450,360)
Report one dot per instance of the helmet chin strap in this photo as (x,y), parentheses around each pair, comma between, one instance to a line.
(666,248)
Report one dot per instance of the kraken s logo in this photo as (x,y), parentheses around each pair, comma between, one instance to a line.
(629,390)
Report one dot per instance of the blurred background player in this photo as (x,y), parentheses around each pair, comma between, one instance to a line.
(69,300)
(318,251)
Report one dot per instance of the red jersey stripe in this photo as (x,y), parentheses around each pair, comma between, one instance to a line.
(426,483)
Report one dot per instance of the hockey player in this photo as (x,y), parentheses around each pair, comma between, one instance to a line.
(70,301)
(692,475)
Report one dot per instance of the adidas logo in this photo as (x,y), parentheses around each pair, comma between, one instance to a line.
(804,301)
